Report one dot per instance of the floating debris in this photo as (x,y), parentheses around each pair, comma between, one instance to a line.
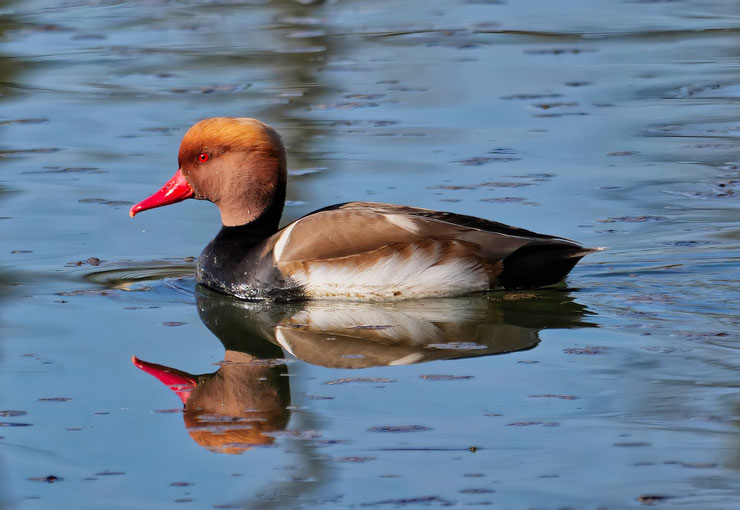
(509,200)
(586,350)
(445,377)
(399,428)
(23,121)
(530,423)
(561,397)
(93,261)
(558,51)
(68,170)
(548,106)
(47,479)
(316,397)
(497,184)
(652,499)
(12,413)
(412,501)
(103,201)
(632,219)
(622,153)
(213,89)
(526,97)
(484,160)
(344,106)
(458,346)
(348,380)
(364,97)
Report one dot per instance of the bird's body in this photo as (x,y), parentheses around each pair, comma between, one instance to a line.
(355,250)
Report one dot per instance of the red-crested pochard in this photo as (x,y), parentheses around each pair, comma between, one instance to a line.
(355,250)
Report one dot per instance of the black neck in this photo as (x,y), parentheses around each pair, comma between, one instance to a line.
(233,261)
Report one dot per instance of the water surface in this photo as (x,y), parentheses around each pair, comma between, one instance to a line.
(613,123)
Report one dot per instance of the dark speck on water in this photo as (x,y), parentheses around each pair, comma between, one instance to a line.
(103,201)
(476,491)
(22,121)
(445,377)
(484,160)
(525,97)
(420,500)
(400,428)
(652,499)
(12,413)
(530,423)
(47,479)
(348,380)
(632,219)
(560,397)
(355,459)
(586,350)
(623,153)
(93,261)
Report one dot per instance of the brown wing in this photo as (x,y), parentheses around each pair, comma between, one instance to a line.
(360,227)
(462,220)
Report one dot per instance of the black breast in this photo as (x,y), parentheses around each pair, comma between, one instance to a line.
(236,262)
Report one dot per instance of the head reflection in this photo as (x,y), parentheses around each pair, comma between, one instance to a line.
(247,399)
(234,408)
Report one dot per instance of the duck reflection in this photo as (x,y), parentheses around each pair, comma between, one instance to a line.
(247,399)
(236,407)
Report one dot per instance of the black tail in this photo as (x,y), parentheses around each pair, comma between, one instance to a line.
(537,265)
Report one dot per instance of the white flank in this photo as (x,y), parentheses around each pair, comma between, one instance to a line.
(392,324)
(422,274)
(280,244)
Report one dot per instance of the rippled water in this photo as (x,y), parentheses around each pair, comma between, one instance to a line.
(613,123)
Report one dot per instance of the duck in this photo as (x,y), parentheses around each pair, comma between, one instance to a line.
(366,251)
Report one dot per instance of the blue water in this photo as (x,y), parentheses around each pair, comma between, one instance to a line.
(612,123)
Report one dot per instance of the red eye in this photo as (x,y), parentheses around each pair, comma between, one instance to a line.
(203,157)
